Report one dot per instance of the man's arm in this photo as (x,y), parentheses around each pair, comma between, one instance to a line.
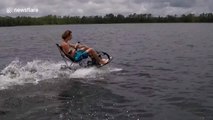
(82,46)
(73,46)
(78,46)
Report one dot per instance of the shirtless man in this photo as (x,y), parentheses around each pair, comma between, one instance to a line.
(78,52)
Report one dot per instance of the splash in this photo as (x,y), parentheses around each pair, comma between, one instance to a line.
(17,73)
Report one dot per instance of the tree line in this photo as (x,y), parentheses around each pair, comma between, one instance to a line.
(107,19)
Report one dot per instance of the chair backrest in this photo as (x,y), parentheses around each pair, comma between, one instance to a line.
(63,54)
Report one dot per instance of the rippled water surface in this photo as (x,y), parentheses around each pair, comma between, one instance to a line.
(159,72)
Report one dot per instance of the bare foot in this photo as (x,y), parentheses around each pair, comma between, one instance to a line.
(103,61)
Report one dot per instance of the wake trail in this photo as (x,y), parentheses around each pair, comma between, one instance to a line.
(17,73)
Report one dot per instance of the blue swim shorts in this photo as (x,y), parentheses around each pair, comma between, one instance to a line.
(80,54)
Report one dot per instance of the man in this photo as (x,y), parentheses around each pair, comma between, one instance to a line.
(79,52)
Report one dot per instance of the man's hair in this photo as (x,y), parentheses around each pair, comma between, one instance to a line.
(66,34)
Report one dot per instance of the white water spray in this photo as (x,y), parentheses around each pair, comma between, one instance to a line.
(17,73)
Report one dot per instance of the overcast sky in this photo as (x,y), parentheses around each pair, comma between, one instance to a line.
(102,7)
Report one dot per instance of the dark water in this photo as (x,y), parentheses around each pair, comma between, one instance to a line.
(159,72)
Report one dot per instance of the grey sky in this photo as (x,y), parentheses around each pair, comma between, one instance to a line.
(102,7)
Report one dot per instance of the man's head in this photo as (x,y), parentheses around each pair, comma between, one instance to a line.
(67,35)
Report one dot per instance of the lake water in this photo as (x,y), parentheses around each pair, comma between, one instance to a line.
(159,72)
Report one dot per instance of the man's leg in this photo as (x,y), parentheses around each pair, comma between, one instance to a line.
(94,54)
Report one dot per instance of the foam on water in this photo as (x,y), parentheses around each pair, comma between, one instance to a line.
(17,73)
